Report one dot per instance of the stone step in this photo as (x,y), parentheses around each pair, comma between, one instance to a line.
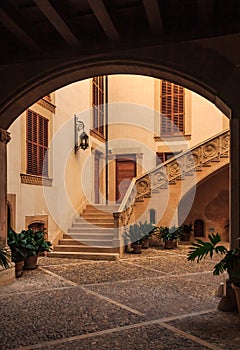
(84,255)
(91,219)
(69,241)
(96,242)
(92,226)
(97,214)
(103,208)
(88,224)
(79,236)
(83,248)
(91,230)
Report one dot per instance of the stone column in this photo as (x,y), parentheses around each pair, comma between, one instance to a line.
(118,230)
(234,228)
(4,139)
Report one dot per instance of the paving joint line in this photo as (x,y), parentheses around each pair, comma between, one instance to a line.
(74,284)
(189,336)
(143,267)
(116,303)
(146,278)
(161,322)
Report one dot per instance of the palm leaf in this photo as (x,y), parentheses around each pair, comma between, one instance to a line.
(4,258)
(201,249)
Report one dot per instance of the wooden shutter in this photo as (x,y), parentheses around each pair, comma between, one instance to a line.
(98,104)
(172,108)
(37,144)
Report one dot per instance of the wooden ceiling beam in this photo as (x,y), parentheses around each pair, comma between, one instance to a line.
(104,19)
(58,23)
(154,16)
(205,8)
(17,31)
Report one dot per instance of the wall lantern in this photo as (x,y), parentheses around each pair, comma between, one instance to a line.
(82,140)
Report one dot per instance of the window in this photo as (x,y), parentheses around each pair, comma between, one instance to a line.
(36,226)
(37,144)
(98,104)
(164,156)
(172,109)
(152,213)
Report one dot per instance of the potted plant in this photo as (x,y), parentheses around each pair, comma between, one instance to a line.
(35,244)
(230,263)
(17,244)
(169,236)
(186,230)
(147,231)
(138,234)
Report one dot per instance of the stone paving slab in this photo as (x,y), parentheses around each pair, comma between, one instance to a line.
(152,337)
(163,297)
(220,328)
(32,318)
(172,264)
(32,281)
(101,272)
(77,304)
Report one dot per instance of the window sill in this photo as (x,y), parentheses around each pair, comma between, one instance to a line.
(97,135)
(35,180)
(179,137)
(47,105)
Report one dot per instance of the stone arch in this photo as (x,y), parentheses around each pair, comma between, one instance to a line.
(180,66)
(193,65)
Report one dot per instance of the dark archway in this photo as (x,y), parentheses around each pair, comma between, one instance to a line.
(198,228)
(26,83)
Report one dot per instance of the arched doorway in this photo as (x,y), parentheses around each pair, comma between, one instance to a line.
(198,228)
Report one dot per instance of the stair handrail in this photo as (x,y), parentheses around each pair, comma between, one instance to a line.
(169,171)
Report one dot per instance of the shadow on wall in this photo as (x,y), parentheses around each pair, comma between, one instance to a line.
(215,211)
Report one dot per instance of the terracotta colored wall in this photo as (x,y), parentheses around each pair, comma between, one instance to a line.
(211,204)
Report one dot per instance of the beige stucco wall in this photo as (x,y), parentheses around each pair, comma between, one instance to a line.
(27,202)
(133,122)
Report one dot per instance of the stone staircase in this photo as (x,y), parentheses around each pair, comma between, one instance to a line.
(90,237)
(171,180)
(93,233)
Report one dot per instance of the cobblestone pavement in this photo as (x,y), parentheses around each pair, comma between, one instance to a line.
(156,300)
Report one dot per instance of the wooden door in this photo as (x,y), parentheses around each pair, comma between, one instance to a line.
(198,228)
(125,171)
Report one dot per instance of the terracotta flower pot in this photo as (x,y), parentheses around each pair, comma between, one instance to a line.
(137,248)
(19,268)
(145,244)
(236,289)
(169,244)
(30,262)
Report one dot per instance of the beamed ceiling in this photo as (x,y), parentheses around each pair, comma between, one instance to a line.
(33,28)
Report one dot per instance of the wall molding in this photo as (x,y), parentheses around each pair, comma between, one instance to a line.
(46,104)
(35,180)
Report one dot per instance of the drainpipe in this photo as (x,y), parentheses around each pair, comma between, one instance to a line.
(106,136)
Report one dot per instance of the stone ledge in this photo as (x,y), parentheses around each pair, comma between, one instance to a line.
(36,180)
(172,138)
(7,275)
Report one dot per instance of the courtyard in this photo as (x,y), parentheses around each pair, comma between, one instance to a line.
(155,300)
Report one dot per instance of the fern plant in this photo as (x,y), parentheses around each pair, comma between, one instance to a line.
(4,258)
(230,263)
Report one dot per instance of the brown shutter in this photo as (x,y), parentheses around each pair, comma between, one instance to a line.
(172,108)
(98,104)
(37,144)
